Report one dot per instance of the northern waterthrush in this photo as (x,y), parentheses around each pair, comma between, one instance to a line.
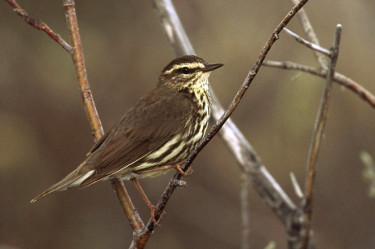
(154,136)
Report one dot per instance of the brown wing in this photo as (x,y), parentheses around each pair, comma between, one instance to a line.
(146,127)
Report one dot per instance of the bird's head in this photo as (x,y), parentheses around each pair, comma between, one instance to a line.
(187,72)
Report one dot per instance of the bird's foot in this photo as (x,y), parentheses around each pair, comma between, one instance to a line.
(153,210)
(186,173)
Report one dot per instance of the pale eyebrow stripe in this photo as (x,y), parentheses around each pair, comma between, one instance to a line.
(188,65)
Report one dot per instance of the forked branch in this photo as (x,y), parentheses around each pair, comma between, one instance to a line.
(39,25)
(320,53)
(339,78)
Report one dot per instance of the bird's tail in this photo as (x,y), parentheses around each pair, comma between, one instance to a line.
(74,179)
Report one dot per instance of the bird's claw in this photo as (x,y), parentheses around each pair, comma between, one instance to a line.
(186,173)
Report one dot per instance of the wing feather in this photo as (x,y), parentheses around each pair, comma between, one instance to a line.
(151,123)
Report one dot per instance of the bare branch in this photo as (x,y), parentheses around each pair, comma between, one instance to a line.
(90,108)
(289,65)
(338,77)
(282,205)
(127,205)
(297,187)
(173,28)
(308,44)
(307,27)
(79,64)
(317,136)
(39,25)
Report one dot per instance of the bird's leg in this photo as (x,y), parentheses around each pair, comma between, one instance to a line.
(178,168)
(147,201)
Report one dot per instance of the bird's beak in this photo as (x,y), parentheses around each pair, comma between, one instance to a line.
(211,67)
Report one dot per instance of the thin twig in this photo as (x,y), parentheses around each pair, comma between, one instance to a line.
(338,77)
(297,188)
(309,31)
(317,136)
(39,25)
(131,213)
(90,108)
(215,128)
(308,44)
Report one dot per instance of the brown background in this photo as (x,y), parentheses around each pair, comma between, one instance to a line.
(44,132)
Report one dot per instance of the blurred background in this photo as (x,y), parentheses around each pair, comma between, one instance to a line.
(44,133)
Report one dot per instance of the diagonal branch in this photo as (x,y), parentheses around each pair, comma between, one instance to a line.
(39,25)
(317,137)
(173,28)
(308,44)
(244,157)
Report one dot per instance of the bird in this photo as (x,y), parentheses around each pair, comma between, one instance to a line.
(156,135)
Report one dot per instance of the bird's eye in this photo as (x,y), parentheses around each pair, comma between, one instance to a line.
(185,70)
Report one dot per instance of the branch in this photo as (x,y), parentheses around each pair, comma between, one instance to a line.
(173,28)
(297,188)
(308,44)
(90,108)
(330,75)
(307,27)
(39,25)
(317,136)
(79,64)
(247,158)
(322,72)
(127,205)
(338,77)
